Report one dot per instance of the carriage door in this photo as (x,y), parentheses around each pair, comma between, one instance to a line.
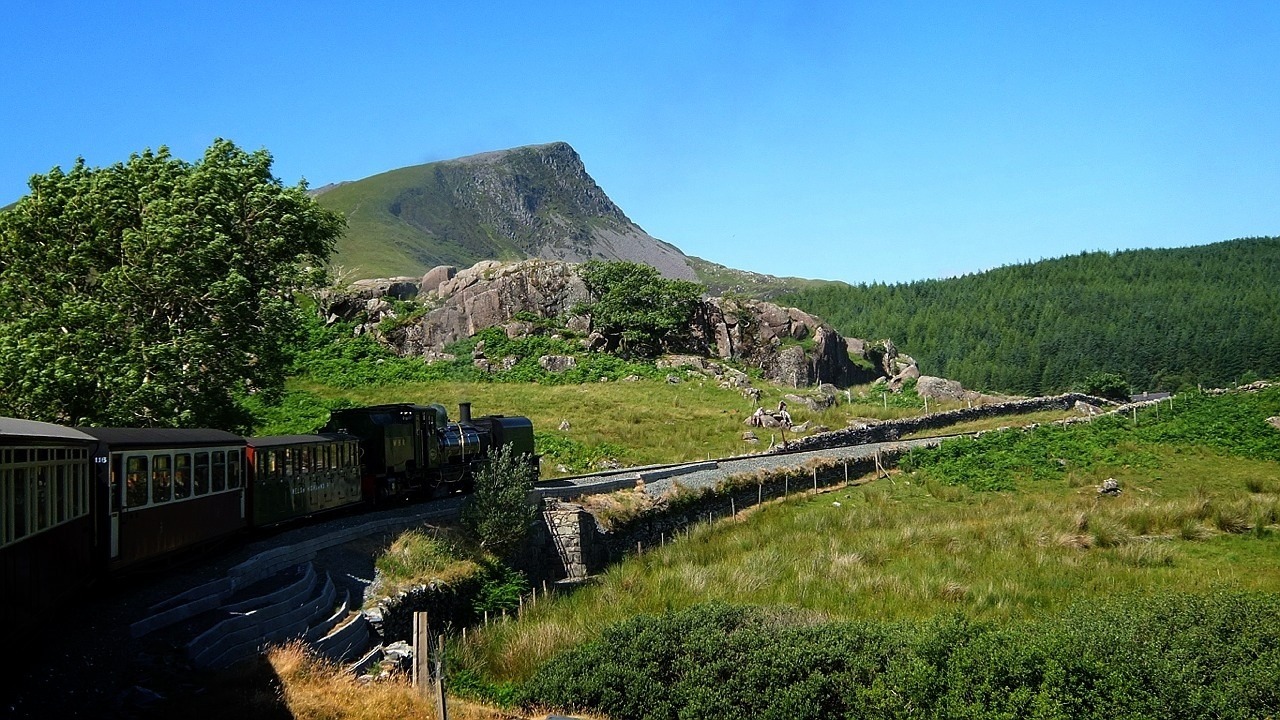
(114,489)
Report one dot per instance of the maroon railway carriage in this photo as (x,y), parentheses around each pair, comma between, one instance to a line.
(167,490)
(46,513)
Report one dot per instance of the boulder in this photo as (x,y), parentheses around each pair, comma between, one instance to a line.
(557,363)
(1275,422)
(669,362)
(435,276)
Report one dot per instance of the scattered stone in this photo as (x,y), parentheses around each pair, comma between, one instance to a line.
(509,362)
(1109,487)
(749,436)
(483,365)
(518,329)
(671,362)
(398,654)
(564,425)
(557,363)
(631,378)
(1275,422)
(673,379)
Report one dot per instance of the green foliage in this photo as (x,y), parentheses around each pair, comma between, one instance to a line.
(1168,317)
(1234,423)
(498,513)
(334,357)
(634,306)
(1106,385)
(558,449)
(1174,656)
(296,412)
(500,589)
(154,292)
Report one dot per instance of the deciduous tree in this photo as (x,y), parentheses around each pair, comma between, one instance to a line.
(154,292)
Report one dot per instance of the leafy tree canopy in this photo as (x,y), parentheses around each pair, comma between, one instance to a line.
(154,292)
(635,307)
(1106,384)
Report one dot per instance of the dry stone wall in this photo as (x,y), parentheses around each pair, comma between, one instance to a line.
(894,429)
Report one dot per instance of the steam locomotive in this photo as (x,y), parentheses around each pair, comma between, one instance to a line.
(80,503)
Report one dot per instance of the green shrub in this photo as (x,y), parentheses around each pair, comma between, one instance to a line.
(499,512)
(1176,656)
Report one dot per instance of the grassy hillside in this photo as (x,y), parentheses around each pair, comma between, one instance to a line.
(1160,318)
(1160,599)
(405,222)
(535,201)
(724,280)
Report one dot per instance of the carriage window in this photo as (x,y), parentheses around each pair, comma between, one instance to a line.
(219,471)
(44,501)
(202,473)
(287,463)
(19,503)
(181,476)
(161,478)
(6,506)
(62,496)
(233,469)
(136,481)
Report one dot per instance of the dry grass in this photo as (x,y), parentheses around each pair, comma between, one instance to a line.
(319,690)
(416,557)
(617,507)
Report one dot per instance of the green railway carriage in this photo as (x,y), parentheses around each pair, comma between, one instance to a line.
(296,476)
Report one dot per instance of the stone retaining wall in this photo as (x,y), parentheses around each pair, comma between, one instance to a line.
(585,547)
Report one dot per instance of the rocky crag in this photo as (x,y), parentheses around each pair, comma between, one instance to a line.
(528,202)
(788,346)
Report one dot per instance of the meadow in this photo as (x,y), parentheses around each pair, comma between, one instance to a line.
(1008,532)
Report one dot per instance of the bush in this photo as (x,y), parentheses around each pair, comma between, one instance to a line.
(1176,656)
(1107,385)
(498,514)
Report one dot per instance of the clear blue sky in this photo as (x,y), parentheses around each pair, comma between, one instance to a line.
(859,141)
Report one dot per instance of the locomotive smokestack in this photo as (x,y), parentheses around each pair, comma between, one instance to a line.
(464,412)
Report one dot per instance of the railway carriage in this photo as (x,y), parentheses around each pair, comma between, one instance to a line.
(167,490)
(47,543)
(296,476)
(80,503)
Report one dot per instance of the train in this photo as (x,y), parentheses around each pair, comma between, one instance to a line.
(78,504)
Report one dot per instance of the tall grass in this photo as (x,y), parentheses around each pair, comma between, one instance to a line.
(909,548)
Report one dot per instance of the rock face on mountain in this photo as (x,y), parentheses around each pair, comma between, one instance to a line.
(533,202)
(789,346)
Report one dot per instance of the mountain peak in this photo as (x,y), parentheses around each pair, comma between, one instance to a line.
(525,202)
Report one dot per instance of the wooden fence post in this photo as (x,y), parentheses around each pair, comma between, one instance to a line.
(442,709)
(421,654)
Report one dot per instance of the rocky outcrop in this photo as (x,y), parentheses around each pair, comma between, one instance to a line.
(490,294)
(936,388)
(788,346)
